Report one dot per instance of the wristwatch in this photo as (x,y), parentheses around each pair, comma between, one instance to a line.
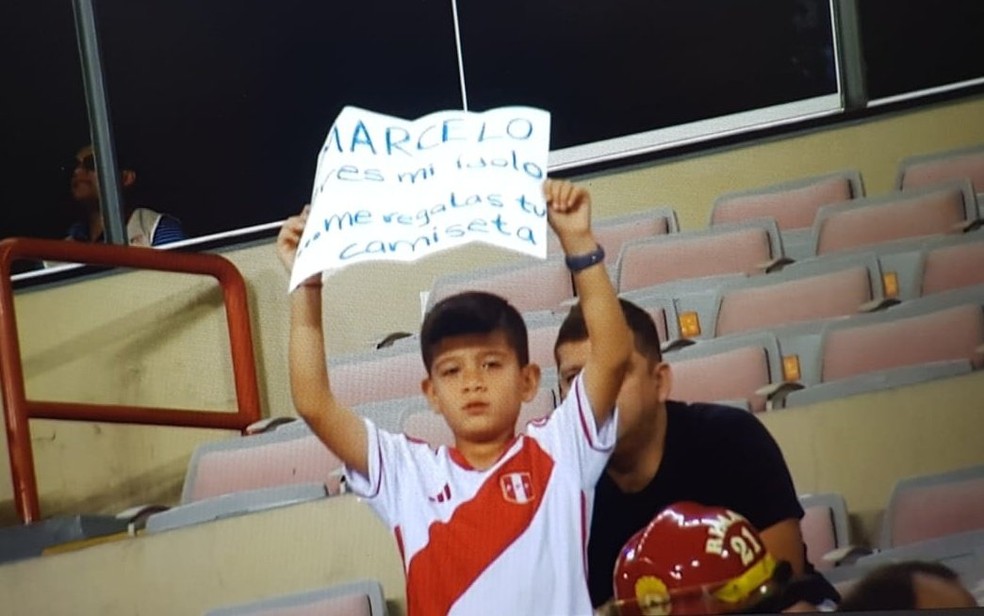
(576,263)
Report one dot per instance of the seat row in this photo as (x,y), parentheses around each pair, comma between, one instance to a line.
(820,288)
(937,336)
(820,328)
(737,250)
(937,517)
(795,204)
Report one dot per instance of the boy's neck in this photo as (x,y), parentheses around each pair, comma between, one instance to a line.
(633,466)
(481,456)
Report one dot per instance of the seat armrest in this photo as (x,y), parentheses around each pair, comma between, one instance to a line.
(676,344)
(136,516)
(847,554)
(775,393)
(268,425)
(878,304)
(967,225)
(774,265)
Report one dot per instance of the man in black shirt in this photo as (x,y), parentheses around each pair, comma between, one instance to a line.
(668,451)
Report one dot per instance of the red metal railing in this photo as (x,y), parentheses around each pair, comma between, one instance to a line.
(18,409)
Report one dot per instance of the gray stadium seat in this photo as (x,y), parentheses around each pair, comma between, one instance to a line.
(792,204)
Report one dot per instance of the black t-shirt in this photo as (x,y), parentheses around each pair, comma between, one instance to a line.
(714,455)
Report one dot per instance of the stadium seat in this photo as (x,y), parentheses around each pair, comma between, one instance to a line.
(936,337)
(924,212)
(824,526)
(252,473)
(738,370)
(750,247)
(541,328)
(963,552)
(933,506)
(388,414)
(793,205)
(806,291)
(377,374)
(358,598)
(660,307)
(289,454)
(613,232)
(954,266)
(928,265)
(529,285)
(926,169)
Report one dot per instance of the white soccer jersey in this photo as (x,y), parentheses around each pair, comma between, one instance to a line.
(510,539)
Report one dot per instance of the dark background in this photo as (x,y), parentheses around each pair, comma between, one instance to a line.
(221,105)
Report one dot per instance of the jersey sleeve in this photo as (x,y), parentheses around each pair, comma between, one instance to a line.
(390,456)
(572,437)
(168,230)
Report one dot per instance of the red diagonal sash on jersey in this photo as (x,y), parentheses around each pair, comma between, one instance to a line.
(478,532)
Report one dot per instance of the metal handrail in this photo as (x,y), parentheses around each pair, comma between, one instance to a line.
(18,409)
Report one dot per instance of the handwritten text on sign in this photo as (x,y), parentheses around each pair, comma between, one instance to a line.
(392,189)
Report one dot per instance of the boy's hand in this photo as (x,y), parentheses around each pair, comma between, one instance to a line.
(290,237)
(569,214)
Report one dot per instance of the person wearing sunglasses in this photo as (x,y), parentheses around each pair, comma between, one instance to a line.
(144,226)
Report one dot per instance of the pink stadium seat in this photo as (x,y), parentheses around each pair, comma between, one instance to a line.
(752,247)
(793,205)
(891,341)
(380,374)
(953,267)
(840,292)
(291,454)
(824,526)
(529,285)
(542,328)
(935,337)
(931,506)
(613,232)
(939,167)
(253,473)
(660,307)
(935,210)
(732,371)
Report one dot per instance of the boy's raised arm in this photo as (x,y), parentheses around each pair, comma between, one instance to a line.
(569,213)
(341,430)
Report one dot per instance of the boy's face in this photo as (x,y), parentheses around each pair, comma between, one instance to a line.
(477,384)
(645,386)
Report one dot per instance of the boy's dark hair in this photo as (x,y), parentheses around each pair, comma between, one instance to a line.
(473,312)
(892,587)
(644,333)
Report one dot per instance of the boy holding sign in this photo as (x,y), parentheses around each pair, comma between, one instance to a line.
(497,524)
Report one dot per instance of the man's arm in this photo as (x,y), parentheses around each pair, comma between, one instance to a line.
(569,213)
(338,427)
(784,541)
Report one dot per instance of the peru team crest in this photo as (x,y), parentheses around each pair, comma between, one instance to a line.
(517,488)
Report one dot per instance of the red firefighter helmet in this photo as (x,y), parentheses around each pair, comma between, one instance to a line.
(693,559)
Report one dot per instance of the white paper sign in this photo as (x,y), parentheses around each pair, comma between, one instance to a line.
(392,189)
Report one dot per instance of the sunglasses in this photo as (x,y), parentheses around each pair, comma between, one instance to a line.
(88,163)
